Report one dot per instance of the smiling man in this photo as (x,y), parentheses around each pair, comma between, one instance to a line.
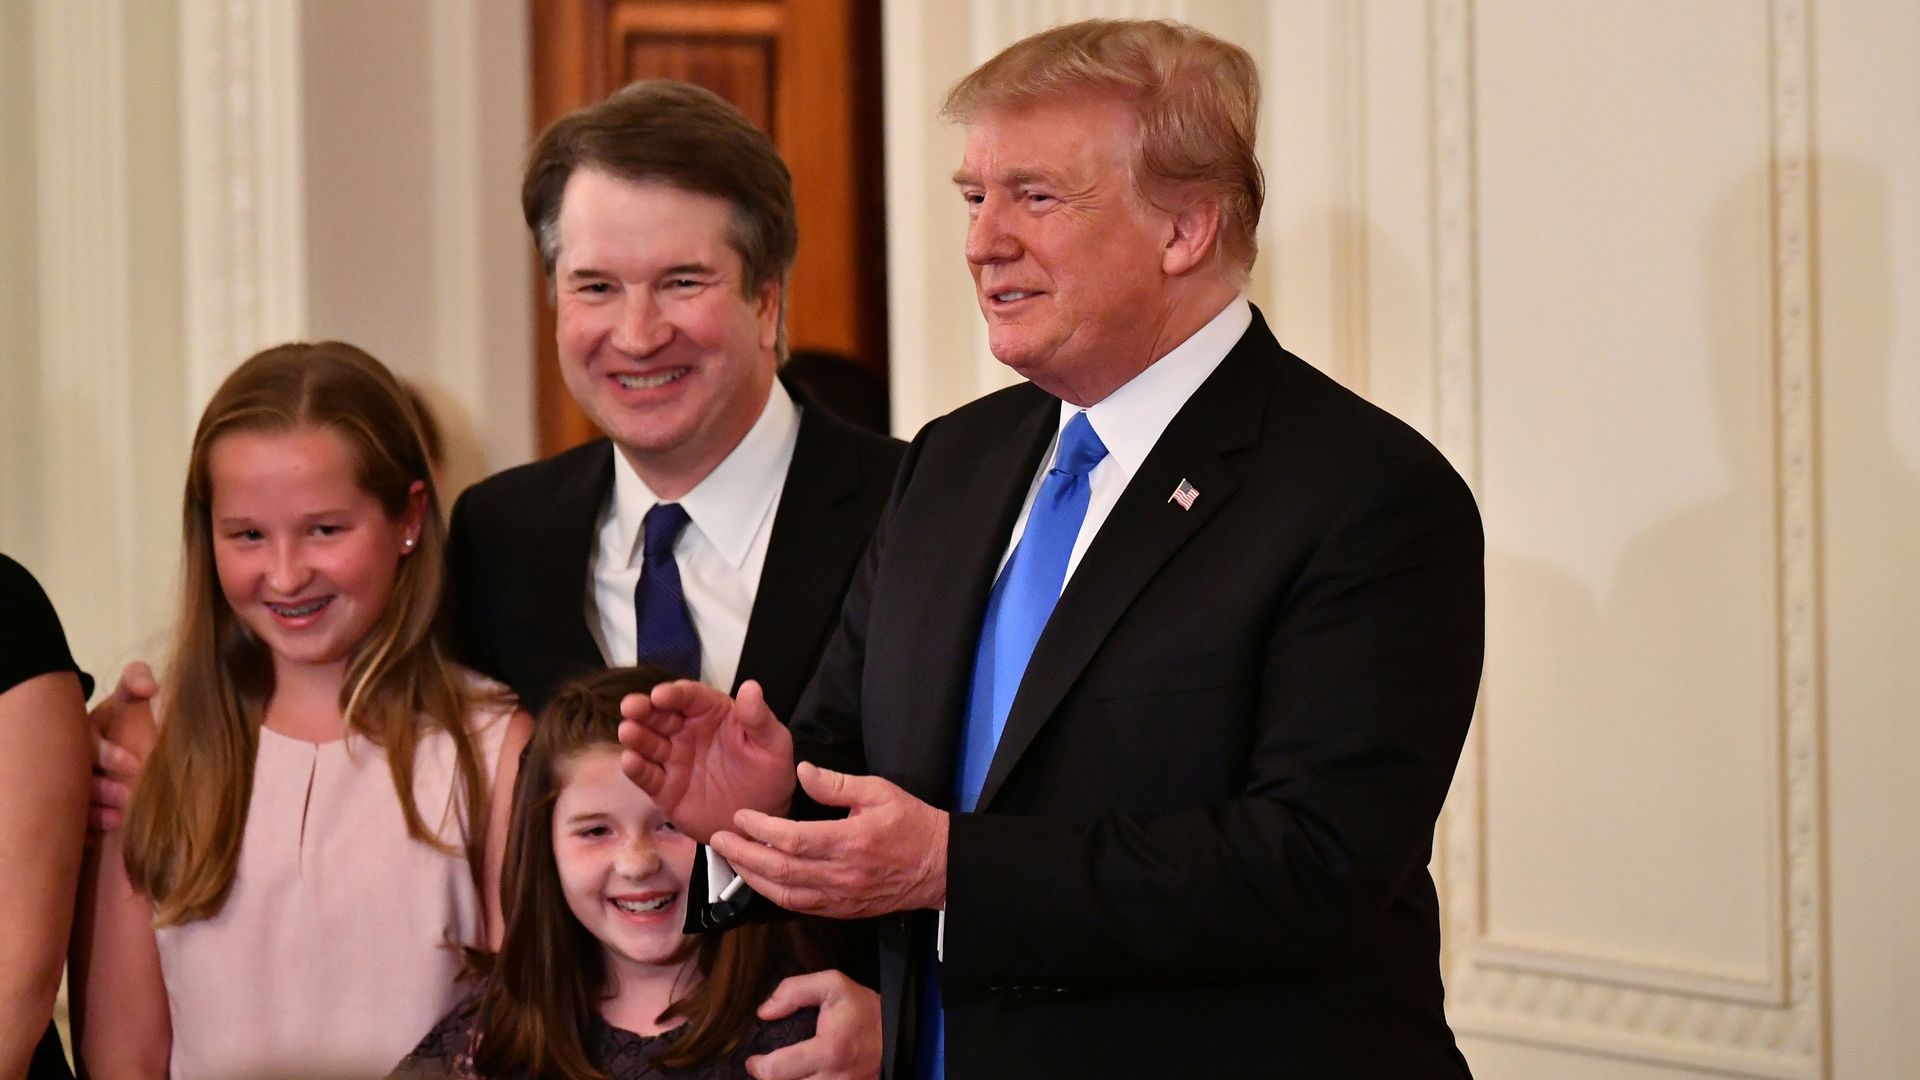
(1147,697)
(715,529)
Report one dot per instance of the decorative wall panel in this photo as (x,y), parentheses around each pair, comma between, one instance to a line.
(244,187)
(1666,976)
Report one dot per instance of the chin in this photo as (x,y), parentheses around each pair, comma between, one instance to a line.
(654,433)
(1013,354)
(310,657)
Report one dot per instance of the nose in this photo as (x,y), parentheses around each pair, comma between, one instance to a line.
(638,858)
(989,240)
(288,572)
(643,327)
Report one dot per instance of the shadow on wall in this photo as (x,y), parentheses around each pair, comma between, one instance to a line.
(1650,704)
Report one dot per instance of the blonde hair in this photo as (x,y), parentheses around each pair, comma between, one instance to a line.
(1195,100)
(189,812)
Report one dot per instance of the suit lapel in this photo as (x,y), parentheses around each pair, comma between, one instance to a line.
(954,603)
(559,568)
(813,540)
(1142,532)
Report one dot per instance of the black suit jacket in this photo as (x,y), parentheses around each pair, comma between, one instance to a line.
(1201,848)
(521,539)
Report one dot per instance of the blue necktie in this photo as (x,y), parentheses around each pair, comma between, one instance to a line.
(1022,600)
(1017,611)
(664,629)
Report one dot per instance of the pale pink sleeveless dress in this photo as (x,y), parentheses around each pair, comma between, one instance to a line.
(335,951)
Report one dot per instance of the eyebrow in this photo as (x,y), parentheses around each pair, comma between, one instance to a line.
(579,273)
(1019,177)
(231,521)
(588,815)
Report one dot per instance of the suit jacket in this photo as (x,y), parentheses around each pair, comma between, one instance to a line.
(1201,848)
(520,542)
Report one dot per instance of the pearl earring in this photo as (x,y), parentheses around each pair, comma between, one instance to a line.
(407,543)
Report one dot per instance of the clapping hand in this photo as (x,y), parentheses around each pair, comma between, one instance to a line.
(888,854)
(703,756)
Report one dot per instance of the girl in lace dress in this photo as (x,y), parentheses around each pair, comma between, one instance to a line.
(309,849)
(595,978)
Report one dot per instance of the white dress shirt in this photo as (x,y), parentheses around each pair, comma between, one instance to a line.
(1130,421)
(720,553)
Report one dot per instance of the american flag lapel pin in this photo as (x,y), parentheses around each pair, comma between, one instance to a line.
(1184,494)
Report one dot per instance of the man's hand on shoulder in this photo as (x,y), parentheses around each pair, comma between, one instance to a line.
(122,730)
(846,1043)
(703,756)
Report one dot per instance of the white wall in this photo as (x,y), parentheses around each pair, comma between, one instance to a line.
(1649,273)
(184,183)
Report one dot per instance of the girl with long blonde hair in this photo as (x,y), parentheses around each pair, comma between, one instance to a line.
(317,832)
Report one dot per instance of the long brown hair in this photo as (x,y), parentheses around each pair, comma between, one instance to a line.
(545,986)
(189,812)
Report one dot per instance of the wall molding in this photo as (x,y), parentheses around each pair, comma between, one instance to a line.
(243,136)
(1774,1025)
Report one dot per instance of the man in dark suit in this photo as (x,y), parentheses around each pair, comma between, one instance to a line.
(665,222)
(529,628)
(1146,700)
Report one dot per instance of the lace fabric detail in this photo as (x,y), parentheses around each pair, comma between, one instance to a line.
(447,1051)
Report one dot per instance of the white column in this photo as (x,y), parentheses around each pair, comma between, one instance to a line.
(243,126)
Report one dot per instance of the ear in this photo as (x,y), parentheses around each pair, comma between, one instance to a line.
(411,519)
(766,310)
(1195,231)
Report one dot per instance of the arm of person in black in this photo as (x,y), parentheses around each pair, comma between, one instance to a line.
(43,805)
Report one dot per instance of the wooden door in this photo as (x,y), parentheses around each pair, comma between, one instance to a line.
(807,72)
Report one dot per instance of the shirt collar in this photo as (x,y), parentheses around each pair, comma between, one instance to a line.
(1129,420)
(731,502)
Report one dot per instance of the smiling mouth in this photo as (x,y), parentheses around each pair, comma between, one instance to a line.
(301,610)
(1009,296)
(650,382)
(645,907)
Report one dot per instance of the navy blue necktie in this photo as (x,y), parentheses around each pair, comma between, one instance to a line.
(664,628)
(1017,611)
